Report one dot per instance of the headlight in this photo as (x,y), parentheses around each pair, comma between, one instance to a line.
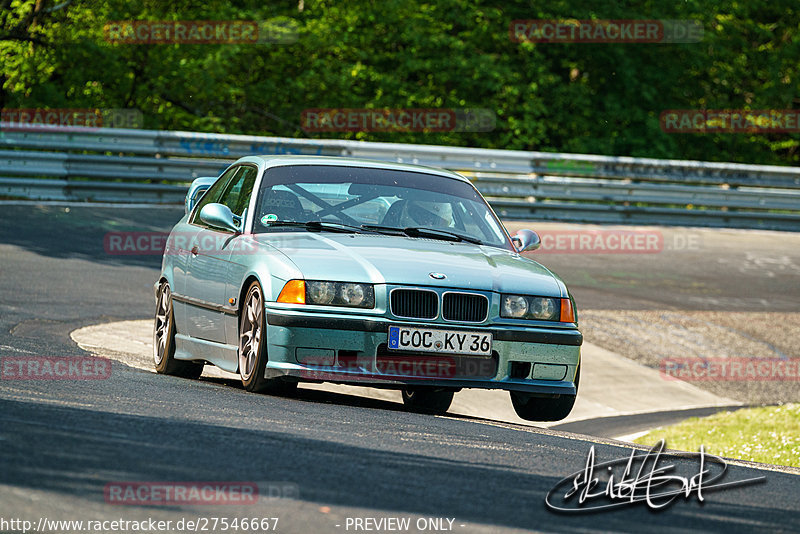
(353,294)
(324,293)
(544,309)
(514,306)
(522,307)
(320,292)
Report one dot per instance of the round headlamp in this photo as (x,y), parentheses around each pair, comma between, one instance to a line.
(352,294)
(543,308)
(514,306)
(320,292)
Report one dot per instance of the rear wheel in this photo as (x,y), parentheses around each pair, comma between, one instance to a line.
(164,339)
(428,400)
(253,347)
(533,408)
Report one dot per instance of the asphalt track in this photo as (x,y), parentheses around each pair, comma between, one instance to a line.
(642,401)
(343,456)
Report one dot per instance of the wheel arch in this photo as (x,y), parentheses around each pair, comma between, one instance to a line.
(162,278)
(248,281)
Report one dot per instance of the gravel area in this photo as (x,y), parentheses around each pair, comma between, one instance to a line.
(651,337)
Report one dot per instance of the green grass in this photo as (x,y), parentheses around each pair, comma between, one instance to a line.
(769,434)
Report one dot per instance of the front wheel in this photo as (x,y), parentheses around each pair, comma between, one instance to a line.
(164,339)
(253,347)
(427,400)
(533,408)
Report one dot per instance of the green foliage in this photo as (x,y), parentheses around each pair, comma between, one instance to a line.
(585,98)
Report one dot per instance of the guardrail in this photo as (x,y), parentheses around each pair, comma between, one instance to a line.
(155,166)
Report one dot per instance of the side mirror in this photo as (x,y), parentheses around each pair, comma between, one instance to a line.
(526,240)
(196,191)
(219,216)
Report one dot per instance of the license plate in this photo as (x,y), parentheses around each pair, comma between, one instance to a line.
(445,341)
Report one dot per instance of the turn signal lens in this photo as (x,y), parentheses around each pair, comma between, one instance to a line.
(294,292)
(567,311)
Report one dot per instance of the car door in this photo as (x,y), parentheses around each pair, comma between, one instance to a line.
(183,238)
(209,263)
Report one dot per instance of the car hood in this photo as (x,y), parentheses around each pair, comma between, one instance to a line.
(409,261)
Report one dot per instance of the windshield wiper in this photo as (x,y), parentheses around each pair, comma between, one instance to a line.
(418,231)
(390,230)
(318,226)
(413,231)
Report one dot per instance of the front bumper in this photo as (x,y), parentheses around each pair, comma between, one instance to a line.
(352,349)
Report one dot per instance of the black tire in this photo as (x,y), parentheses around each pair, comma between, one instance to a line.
(428,400)
(532,408)
(164,339)
(253,347)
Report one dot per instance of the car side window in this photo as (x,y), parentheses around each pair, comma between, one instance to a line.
(237,193)
(213,193)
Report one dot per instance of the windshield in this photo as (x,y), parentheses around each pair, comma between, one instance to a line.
(359,196)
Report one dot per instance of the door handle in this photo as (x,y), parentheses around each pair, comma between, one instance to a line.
(195,250)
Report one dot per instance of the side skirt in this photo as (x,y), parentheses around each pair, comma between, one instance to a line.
(226,357)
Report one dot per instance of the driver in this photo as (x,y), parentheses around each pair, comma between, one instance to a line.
(429,214)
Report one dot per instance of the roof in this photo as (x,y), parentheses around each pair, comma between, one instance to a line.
(271,160)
